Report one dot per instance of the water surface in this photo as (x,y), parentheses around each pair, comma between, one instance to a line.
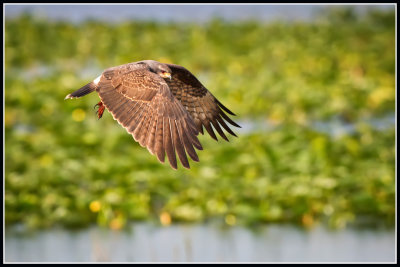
(146,242)
(180,12)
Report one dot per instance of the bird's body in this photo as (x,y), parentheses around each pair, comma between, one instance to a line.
(163,106)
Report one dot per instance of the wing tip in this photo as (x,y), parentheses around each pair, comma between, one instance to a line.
(225,108)
(175,167)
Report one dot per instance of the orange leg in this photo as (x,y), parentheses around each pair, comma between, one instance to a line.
(100,111)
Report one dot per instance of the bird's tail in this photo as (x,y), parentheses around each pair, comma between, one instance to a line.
(87,89)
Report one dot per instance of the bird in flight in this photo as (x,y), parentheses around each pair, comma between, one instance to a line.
(163,106)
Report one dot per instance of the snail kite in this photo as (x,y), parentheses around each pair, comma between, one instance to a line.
(163,106)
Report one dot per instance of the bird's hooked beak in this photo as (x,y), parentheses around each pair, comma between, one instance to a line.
(166,75)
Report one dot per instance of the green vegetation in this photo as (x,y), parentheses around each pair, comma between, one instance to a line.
(64,167)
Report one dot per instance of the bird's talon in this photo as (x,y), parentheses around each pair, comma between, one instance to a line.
(100,110)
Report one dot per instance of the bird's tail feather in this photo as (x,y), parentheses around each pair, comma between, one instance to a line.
(87,89)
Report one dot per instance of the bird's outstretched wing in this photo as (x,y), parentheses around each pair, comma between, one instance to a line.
(142,103)
(204,108)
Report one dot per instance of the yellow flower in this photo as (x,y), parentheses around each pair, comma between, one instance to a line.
(95,206)
(165,218)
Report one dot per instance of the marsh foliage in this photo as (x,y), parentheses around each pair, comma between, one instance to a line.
(64,167)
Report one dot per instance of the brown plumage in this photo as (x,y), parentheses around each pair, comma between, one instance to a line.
(163,106)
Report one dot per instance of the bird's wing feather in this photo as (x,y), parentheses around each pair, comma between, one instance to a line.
(204,108)
(143,104)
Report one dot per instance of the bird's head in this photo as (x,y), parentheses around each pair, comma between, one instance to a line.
(159,68)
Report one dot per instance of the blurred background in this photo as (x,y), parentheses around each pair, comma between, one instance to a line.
(309,178)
